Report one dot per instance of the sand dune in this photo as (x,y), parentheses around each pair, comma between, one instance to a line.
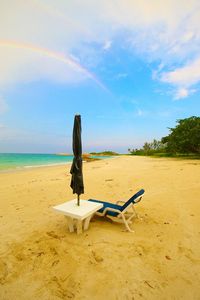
(40,259)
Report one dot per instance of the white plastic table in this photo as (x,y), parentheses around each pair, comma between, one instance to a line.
(78,216)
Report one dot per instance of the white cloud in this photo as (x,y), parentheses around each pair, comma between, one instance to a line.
(185,76)
(24,65)
(181,93)
(54,31)
(141,113)
(165,32)
(107,45)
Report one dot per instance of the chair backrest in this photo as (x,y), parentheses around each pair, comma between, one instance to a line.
(131,200)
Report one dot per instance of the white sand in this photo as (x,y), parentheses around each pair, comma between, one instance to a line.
(40,259)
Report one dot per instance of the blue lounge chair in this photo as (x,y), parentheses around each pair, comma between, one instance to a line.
(119,213)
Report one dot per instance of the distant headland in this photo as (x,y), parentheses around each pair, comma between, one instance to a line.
(90,156)
(103,153)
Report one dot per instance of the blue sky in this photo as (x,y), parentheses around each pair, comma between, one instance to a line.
(130,68)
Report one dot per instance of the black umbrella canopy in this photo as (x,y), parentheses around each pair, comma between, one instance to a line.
(76,168)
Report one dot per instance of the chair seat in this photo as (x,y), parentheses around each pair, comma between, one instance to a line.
(122,215)
(108,205)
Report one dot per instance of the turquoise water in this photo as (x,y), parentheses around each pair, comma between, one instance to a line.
(9,161)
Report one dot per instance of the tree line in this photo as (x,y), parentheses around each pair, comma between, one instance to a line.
(184,139)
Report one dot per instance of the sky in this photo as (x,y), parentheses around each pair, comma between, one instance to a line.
(130,68)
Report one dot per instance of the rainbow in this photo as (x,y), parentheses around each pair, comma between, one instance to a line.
(66,59)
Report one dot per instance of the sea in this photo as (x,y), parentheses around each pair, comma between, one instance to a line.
(14,161)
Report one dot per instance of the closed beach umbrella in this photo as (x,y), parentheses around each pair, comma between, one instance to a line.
(76,168)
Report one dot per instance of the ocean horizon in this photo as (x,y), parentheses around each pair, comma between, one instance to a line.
(14,161)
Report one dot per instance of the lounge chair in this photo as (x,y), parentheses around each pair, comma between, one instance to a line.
(119,213)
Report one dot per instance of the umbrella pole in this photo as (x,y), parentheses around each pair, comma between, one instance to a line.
(78,200)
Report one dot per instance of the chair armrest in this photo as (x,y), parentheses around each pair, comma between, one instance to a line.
(137,200)
(110,209)
(120,201)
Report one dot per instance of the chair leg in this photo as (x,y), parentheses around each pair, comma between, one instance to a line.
(135,211)
(126,224)
(136,214)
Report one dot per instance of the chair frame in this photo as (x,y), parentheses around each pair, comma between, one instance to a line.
(123,216)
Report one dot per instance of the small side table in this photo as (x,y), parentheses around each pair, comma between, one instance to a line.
(78,216)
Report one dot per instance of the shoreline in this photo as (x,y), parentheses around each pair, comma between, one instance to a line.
(23,168)
(26,168)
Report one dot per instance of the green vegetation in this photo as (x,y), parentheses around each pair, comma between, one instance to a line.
(156,147)
(106,153)
(185,137)
(183,141)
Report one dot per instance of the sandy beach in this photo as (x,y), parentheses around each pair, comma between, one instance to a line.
(40,259)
